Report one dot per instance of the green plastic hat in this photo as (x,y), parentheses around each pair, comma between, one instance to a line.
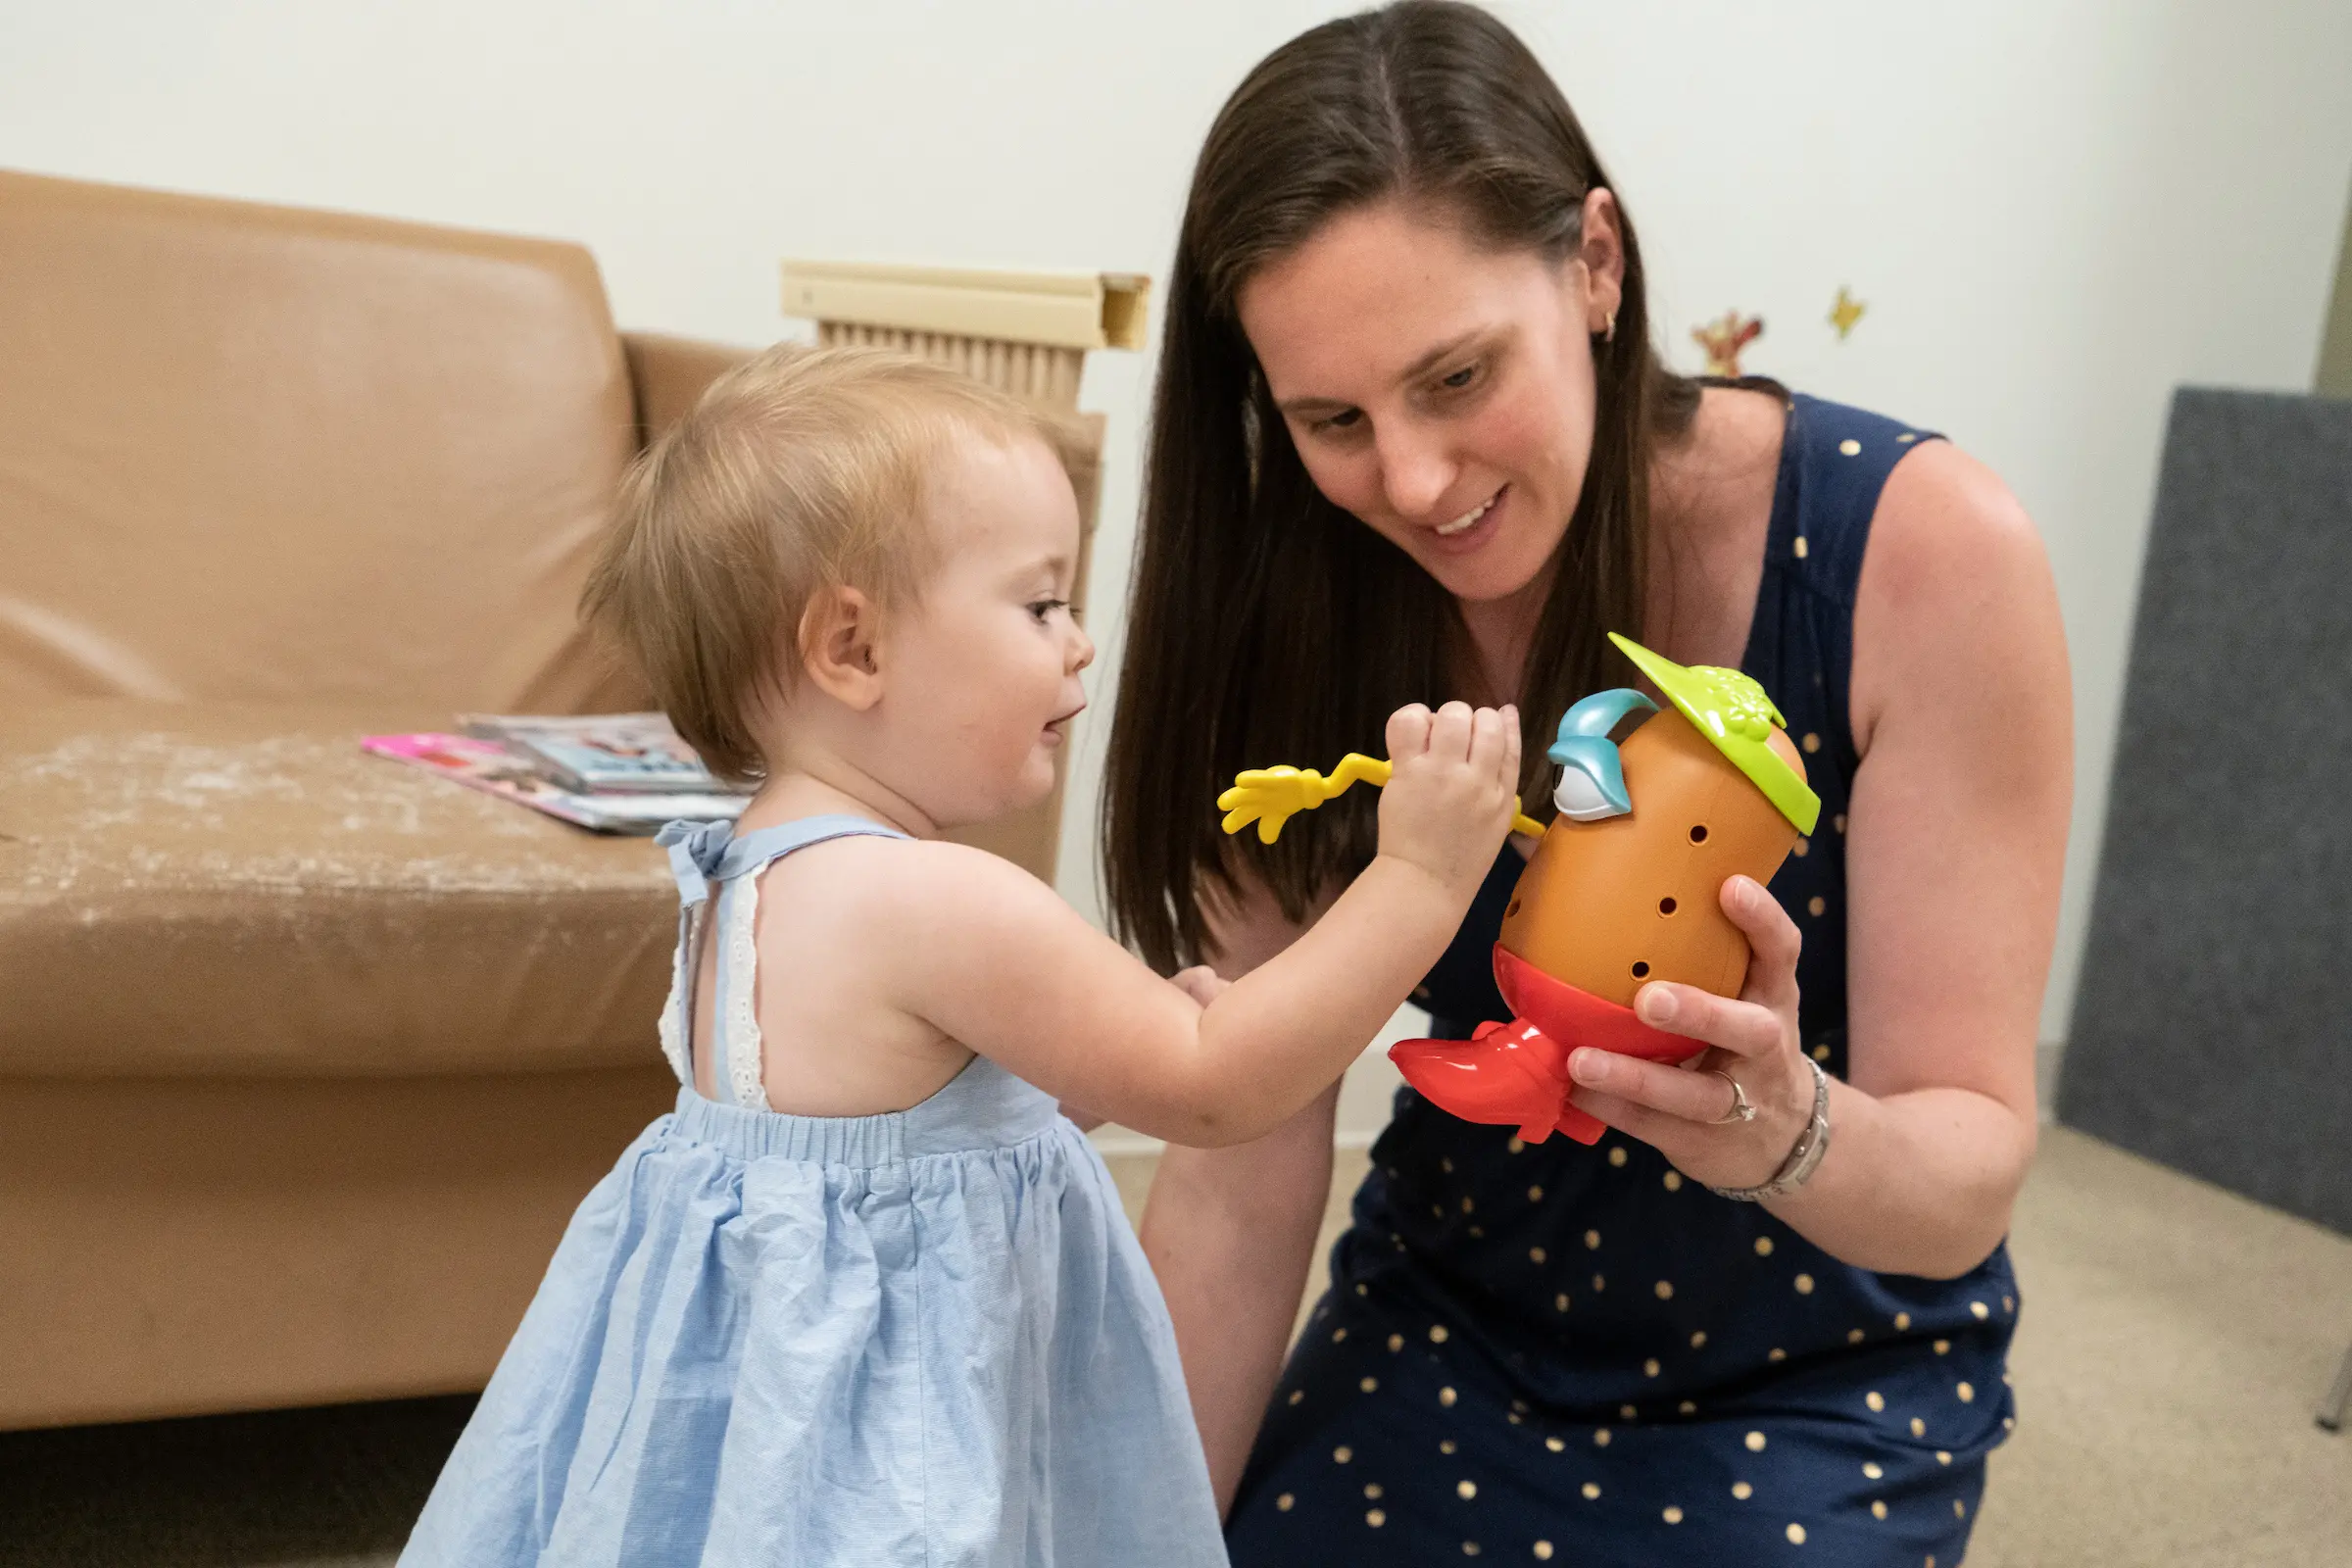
(1730,710)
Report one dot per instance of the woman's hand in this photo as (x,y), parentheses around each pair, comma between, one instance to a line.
(1753,1042)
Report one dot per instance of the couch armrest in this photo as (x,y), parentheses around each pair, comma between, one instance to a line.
(667,373)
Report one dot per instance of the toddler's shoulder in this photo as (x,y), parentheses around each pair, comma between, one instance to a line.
(915,883)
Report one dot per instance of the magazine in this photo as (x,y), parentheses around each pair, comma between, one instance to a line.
(484,766)
(601,753)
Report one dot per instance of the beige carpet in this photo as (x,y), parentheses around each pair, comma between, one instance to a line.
(2175,1342)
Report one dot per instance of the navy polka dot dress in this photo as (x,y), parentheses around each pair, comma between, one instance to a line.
(1563,1354)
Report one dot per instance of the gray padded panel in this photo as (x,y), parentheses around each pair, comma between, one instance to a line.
(2213,1031)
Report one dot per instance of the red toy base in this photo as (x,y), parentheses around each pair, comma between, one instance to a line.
(1517,1073)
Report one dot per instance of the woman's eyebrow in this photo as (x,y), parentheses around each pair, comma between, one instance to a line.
(1413,371)
(1441,353)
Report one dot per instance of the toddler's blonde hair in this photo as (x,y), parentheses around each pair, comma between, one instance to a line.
(799,472)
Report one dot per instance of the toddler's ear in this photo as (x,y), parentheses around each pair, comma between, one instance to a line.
(840,647)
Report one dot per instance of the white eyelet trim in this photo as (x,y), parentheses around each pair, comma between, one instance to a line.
(676,1043)
(743,1048)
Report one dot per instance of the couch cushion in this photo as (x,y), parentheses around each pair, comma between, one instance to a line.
(255,453)
(191,889)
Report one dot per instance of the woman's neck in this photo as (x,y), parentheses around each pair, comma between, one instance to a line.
(1710,508)
(1501,633)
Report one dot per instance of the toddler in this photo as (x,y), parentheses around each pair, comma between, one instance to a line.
(865,1295)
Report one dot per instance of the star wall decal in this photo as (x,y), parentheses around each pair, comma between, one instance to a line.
(1845,313)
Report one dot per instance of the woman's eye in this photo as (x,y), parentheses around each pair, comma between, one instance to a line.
(1345,419)
(1460,378)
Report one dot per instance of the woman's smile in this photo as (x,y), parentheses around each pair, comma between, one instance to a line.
(1469,532)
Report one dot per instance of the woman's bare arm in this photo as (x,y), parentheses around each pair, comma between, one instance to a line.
(1955,840)
(1963,710)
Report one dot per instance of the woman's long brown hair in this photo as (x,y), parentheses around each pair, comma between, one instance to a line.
(1266,625)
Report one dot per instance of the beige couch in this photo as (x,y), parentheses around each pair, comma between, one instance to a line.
(304,1058)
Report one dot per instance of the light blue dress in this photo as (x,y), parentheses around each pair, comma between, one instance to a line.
(922,1338)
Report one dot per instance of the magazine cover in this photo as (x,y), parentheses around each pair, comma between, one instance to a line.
(484,766)
(601,753)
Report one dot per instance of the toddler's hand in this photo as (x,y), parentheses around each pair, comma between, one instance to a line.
(1200,983)
(1449,802)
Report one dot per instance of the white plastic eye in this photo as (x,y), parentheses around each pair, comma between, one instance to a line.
(1580,799)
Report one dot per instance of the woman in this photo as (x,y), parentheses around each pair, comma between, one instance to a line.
(1411,441)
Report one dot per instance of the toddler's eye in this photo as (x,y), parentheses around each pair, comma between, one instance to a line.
(1460,378)
(1043,609)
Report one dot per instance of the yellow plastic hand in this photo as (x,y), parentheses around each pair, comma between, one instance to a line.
(1272,796)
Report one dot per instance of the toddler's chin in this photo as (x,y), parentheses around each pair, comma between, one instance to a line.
(1036,782)
(1028,785)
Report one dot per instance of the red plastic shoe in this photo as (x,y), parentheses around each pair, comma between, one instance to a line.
(1509,1073)
(1517,1073)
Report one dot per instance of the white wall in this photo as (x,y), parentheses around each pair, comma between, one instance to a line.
(2056,208)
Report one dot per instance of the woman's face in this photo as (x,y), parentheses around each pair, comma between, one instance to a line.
(1441,392)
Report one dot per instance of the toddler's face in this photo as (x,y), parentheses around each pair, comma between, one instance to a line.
(983,666)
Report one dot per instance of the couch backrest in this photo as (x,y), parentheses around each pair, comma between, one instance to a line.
(253,453)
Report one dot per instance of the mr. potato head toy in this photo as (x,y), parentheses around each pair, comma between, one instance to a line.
(1621,891)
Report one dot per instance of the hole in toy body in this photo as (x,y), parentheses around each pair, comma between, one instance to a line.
(1698,834)
(1667,906)
(1641,969)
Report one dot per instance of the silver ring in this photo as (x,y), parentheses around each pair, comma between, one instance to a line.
(1740,1109)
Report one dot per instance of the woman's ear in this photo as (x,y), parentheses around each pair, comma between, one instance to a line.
(839,636)
(1601,250)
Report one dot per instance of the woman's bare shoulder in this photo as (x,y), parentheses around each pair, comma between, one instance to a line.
(1955,589)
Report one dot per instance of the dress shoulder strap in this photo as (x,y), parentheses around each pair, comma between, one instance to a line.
(1835,460)
(703,854)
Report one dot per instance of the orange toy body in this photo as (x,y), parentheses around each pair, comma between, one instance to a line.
(1610,906)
